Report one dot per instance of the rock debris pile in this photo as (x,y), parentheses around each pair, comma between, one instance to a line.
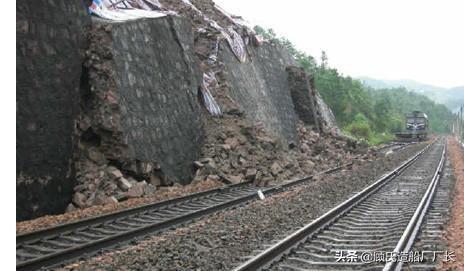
(234,150)
(223,240)
(237,152)
(193,95)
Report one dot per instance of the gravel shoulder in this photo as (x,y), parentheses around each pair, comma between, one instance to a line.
(221,241)
(455,229)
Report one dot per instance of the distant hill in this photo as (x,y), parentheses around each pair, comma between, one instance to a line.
(452,97)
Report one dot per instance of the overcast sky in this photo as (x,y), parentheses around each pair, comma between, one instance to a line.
(384,39)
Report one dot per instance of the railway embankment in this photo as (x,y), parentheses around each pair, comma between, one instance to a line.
(224,240)
(455,227)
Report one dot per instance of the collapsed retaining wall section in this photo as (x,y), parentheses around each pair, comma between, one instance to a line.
(127,118)
(303,96)
(309,105)
(49,39)
(141,120)
(260,87)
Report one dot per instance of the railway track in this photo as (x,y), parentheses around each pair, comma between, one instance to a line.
(67,242)
(384,218)
(430,239)
(395,146)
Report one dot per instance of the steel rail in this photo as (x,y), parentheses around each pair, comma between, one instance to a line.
(54,230)
(275,252)
(409,235)
(65,255)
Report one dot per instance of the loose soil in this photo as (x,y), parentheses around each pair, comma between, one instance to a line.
(455,229)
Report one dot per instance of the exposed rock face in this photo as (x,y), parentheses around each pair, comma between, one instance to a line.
(140,111)
(326,114)
(309,105)
(261,89)
(133,119)
(303,96)
(49,39)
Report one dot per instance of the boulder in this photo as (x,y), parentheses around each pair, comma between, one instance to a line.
(124,184)
(276,169)
(115,173)
(251,174)
(96,156)
(137,190)
(155,180)
(234,178)
(150,189)
(232,142)
(79,199)
(305,148)
(198,164)
(308,164)
(226,147)
(213,178)
(70,208)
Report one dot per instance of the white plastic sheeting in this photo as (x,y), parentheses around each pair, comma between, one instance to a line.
(236,20)
(122,10)
(208,100)
(235,41)
(212,58)
(188,3)
(117,10)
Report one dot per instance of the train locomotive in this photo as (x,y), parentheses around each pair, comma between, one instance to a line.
(417,126)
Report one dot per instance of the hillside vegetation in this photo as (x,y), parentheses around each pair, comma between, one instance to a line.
(364,112)
(453,98)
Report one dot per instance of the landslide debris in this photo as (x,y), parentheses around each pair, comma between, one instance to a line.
(221,241)
(234,149)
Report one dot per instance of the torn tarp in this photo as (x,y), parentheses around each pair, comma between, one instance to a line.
(234,39)
(208,99)
(236,43)
(212,58)
(133,4)
(118,10)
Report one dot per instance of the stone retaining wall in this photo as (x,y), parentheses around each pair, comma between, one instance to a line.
(49,39)
(260,87)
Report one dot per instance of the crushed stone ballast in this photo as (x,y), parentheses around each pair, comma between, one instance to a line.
(67,242)
(384,217)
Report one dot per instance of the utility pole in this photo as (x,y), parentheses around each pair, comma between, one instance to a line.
(458,125)
(461,135)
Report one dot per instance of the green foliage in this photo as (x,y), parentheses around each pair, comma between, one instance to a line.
(379,138)
(359,127)
(373,115)
(345,96)
(401,101)
(266,33)
(305,60)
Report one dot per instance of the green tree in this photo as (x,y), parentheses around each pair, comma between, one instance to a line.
(324,60)
(374,115)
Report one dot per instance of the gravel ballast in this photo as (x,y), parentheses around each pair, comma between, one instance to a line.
(221,241)
(161,194)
